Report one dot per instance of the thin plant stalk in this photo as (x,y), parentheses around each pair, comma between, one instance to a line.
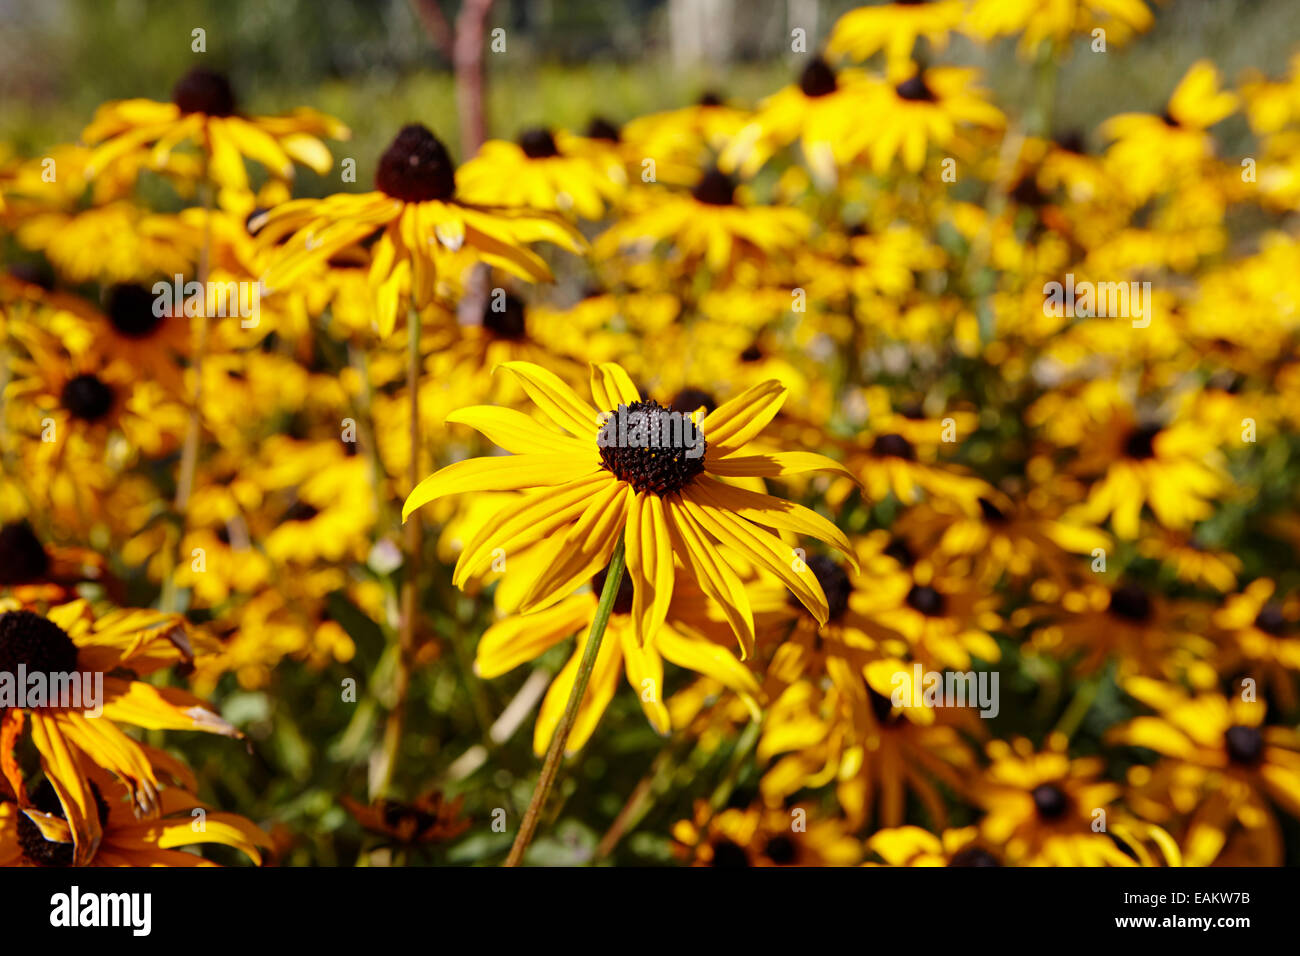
(190,448)
(396,725)
(555,752)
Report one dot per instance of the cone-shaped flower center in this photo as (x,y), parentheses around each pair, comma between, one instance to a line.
(893,446)
(1140,444)
(22,556)
(204,91)
(817,78)
(715,188)
(992,513)
(130,309)
(86,397)
(35,642)
(622,600)
(1130,602)
(652,448)
(691,398)
(416,167)
(926,600)
(1245,745)
(1050,801)
(35,847)
(781,850)
(973,856)
(506,322)
(835,585)
(601,128)
(1270,620)
(538,143)
(727,853)
(915,90)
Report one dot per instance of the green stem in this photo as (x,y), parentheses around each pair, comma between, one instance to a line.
(396,725)
(555,752)
(1079,706)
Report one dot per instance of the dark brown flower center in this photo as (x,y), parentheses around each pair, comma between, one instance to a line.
(416,167)
(86,397)
(35,847)
(301,511)
(926,600)
(881,706)
(1072,142)
(538,143)
(1131,603)
(715,188)
(601,128)
(652,448)
(835,585)
(817,78)
(727,853)
(507,321)
(709,98)
(691,398)
(1270,620)
(1140,443)
(781,850)
(204,91)
(1245,745)
(622,600)
(34,273)
(893,446)
(22,556)
(973,856)
(1050,801)
(992,513)
(915,90)
(752,354)
(131,311)
(35,642)
(898,550)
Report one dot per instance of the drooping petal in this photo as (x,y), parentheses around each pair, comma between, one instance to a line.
(505,473)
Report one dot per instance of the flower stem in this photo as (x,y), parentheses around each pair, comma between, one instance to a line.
(396,725)
(190,449)
(555,752)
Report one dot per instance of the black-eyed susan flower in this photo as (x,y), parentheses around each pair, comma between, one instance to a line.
(1056,20)
(543,169)
(585,493)
(70,639)
(894,28)
(1041,806)
(39,834)
(708,226)
(763,836)
(418,219)
(204,110)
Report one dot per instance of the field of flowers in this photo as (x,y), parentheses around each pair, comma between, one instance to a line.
(871,473)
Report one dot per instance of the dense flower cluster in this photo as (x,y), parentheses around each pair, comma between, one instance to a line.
(985,554)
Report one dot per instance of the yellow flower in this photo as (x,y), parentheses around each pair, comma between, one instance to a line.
(203,110)
(1056,20)
(894,27)
(543,170)
(39,835)
(70,639)
(586,491)
(418,221)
